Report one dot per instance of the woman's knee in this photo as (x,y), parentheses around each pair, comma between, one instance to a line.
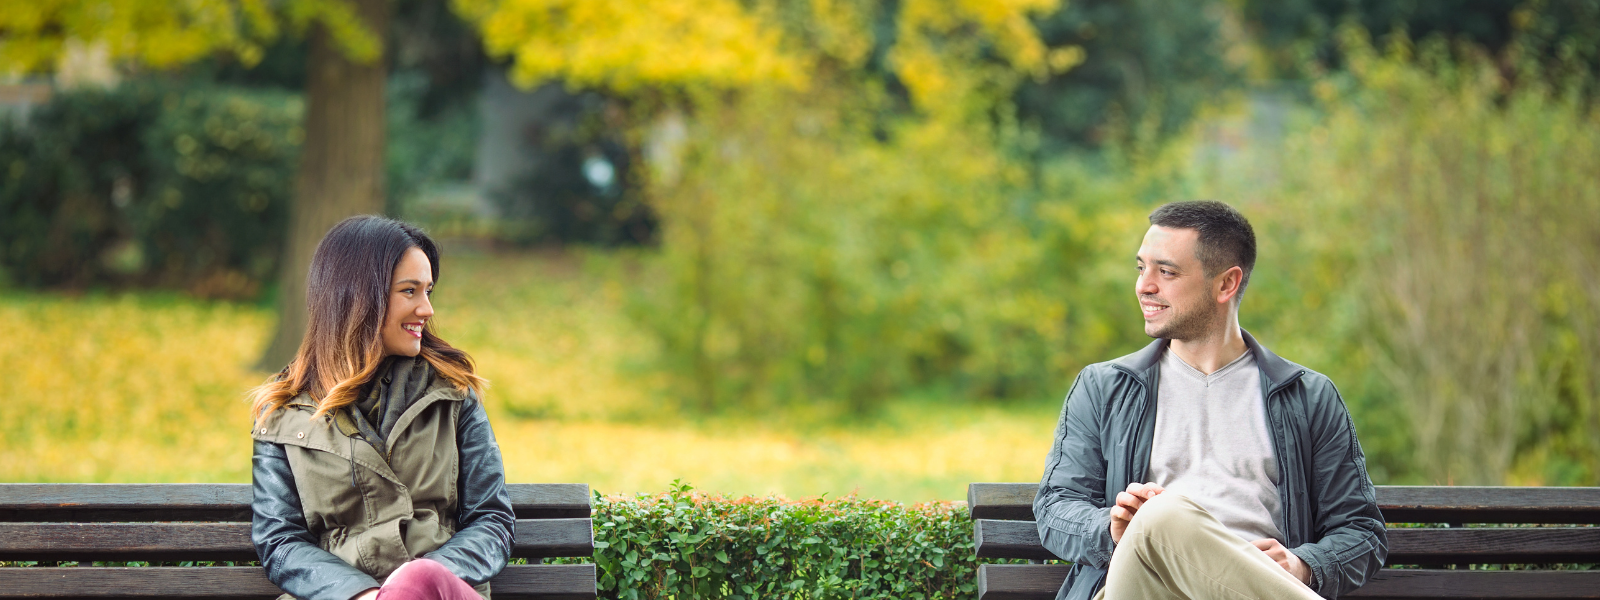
(421,567)
(421,572)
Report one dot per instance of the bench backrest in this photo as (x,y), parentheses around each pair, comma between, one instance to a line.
(211,522)
(1004,528)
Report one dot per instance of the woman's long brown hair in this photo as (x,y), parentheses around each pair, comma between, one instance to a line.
(347,297)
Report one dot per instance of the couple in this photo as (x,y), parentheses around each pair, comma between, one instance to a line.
(1238,475)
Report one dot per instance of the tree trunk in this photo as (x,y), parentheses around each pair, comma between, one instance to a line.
(341,166)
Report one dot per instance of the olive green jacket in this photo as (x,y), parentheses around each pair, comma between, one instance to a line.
(335,514)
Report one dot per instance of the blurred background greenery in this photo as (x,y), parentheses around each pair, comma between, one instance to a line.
(823,246)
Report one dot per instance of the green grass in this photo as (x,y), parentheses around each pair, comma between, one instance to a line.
(149,387)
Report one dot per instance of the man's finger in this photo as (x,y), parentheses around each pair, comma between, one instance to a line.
(1130,501)
(1121,514)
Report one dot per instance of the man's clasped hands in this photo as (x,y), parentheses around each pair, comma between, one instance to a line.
(1129,501)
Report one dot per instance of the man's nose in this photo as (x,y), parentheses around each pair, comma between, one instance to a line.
(1145,284)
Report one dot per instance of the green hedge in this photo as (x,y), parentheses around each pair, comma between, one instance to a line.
(683,544)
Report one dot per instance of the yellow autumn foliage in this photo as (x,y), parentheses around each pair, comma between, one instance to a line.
(942,49)
(625,45)
(162,33)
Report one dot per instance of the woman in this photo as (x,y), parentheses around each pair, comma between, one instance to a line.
(374,461)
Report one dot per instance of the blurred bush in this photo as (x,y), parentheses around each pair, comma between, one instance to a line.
(68,178)
(150,183)
(1455,196)
(810,256)
(687,545)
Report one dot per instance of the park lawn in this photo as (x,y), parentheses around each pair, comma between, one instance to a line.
(149,387)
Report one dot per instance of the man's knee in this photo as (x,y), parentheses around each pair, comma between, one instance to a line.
(1168,511)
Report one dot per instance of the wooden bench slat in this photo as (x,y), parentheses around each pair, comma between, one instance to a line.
(1488,545)
(1008,539)
(110,502)
(1007,501)
(535,538)
(1021,582)
(1500,585)
(545,582)
(1447,504)
(1407,546)
(1041,582)
(126,541)
(1400,504)
(516,582)
(552,538)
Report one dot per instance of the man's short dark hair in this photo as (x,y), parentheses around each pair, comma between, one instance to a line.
(1226,238)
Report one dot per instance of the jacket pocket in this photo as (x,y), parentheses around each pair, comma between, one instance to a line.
(337,542)
(382,549)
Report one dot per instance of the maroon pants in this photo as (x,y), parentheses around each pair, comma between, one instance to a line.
(424,579)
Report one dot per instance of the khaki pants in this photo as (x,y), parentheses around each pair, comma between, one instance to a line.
(1173,548)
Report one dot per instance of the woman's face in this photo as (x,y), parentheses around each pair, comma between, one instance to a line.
(409,308)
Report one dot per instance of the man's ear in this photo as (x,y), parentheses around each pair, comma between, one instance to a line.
(1228,284)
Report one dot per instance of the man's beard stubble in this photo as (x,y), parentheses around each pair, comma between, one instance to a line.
(1184,325)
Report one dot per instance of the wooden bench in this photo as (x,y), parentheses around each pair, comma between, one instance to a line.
(1003,527)
(211,522)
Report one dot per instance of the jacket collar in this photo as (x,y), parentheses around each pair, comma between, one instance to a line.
(1275,369)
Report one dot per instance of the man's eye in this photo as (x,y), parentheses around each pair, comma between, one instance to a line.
(1166,272)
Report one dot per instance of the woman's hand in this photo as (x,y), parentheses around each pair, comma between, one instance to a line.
(370,594)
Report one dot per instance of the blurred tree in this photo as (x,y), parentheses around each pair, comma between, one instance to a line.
(615,44)
(829,206)
(1564,34)
(1145,60)
(341,169)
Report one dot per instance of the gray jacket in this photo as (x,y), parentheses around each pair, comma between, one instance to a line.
(1330,513)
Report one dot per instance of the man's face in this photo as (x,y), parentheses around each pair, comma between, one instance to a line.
(1172,287)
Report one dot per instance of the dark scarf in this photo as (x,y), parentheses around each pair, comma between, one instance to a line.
(401,381)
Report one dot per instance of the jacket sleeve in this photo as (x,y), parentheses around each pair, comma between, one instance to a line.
(1070,509)
(286,547)
(480,548)
(1352,543)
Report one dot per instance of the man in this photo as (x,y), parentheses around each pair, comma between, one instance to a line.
(1205,466)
